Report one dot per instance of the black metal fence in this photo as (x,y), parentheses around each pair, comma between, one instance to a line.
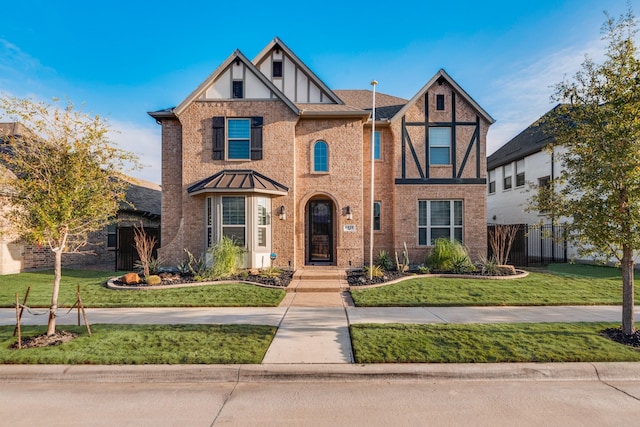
(126,254)
(536,244)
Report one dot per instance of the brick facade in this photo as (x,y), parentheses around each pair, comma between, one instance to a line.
(403,176)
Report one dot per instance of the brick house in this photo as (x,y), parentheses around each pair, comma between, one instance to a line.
(106,248)
(266,153)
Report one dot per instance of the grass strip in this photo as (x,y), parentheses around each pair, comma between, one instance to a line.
(94,294)
(144,344)
(487,343)
(535,289)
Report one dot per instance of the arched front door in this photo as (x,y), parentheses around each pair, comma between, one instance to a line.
(320,232)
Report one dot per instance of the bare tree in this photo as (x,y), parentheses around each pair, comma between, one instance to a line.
(144,246)
(501,238)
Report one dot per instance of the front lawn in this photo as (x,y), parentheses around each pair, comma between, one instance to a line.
(484,343)
(561,285)
(94,294)
(144,344)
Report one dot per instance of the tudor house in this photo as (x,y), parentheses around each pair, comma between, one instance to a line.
(266,153)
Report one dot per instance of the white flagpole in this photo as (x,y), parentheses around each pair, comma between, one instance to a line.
(373,138)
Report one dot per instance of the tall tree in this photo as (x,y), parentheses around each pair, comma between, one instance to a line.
(65,178)
(597,133)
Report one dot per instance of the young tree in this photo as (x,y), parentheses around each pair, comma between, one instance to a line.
(66,178)
(597,130)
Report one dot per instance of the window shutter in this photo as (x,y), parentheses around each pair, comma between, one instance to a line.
(218,138)
(256,138)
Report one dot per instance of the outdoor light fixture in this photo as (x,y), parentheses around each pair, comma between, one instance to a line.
(281,213)
(347,212)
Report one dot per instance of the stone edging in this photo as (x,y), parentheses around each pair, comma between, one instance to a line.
(113,286)
(520,274)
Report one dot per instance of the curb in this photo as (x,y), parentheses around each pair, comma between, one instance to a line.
(600,371)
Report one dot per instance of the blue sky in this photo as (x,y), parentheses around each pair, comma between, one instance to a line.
(124,58)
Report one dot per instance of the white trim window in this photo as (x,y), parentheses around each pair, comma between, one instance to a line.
(377,152)
(440,145)
(492,181)
(506,177)
(320,157)
(377,211)
(439,219)
(234,219)
(520,173)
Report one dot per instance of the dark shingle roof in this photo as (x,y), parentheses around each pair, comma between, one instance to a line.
(386,105)
(146,197)
(531,140)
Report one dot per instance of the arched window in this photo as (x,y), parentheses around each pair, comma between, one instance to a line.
(320,157)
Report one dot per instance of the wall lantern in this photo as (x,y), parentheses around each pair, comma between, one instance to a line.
(347,212)
(281,213)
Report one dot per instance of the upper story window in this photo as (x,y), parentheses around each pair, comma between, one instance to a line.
(440,102)
(520,173)
(320,157)
(440,145)
(239,139)
(377,153)
(238,89)
(506,177)
(276,69)
(492,181)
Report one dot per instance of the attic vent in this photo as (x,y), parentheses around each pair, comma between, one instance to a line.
(276,70)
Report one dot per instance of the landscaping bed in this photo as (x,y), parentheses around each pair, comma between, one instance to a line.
(281,279)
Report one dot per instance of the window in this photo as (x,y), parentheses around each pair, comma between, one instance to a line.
(240,132)
(520,173)
(376,146)
(439,219)
(440,102)
(238,89)
(376,216)
(276,70)
(506,174)
(320,157)
(439,145)
(210,224)
(262,222)
(492,181)
(233,219)
(112,236)
(239,139)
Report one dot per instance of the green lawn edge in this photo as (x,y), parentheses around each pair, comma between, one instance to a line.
(144,344)
(488,343)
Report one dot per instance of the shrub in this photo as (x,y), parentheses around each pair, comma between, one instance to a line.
(449,256)
(226,257)
(270,272)
(153,280)
(376,271)
(384,260)
(489,266)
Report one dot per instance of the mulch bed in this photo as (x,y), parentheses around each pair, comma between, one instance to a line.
(45,340)
(282,280)
(616,334)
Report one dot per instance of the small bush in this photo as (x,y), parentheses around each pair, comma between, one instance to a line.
(376,271)
(385,261)
(270,272)
(153,280)
(449,256)
(489,266)
(226,257)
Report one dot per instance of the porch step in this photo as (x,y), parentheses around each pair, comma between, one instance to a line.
(318,280)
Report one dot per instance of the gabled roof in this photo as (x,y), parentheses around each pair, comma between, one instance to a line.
(441,74)
(235,56)
(238,181)
(531,140)
(277,43)
(386,105)
(145,196)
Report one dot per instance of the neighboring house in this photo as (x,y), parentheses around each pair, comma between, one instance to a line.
(266,153)
(515,171)
(104,245)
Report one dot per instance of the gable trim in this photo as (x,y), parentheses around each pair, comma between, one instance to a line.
(235,56)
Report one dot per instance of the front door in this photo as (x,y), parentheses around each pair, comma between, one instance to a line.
(320,232)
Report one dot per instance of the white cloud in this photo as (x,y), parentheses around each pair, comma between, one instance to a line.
(145,142)
(525,95)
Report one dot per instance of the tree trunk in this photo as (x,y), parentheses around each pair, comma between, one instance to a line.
(57,276)
(628,322)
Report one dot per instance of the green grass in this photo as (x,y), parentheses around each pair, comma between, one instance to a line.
(94,294)
(145,344)
(483,343)
(563,285)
